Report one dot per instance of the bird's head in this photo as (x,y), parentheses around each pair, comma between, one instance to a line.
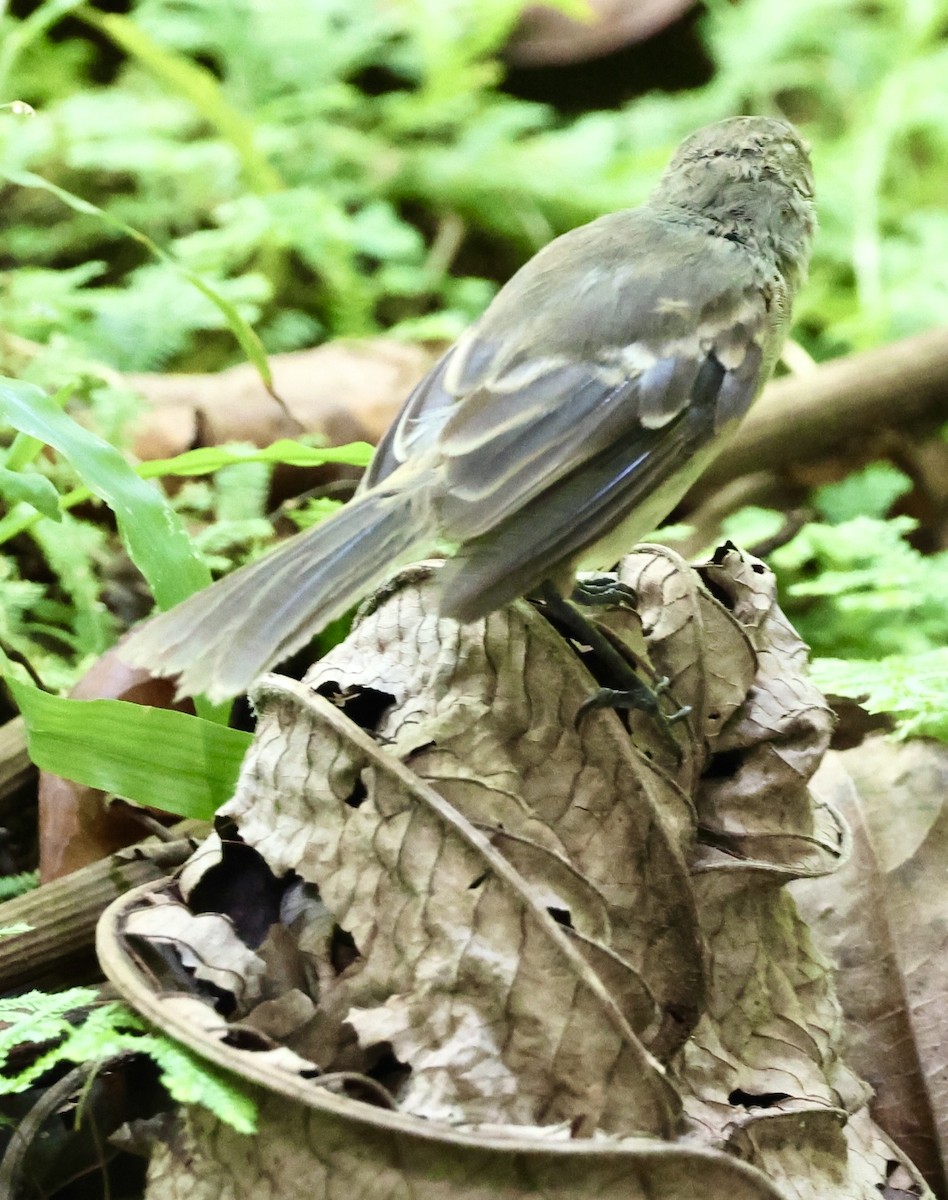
(751,179)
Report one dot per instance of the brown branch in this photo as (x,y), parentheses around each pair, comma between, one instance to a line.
(15,765)
(808,417)
(57,949)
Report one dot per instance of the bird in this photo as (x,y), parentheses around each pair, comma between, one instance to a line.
(563,426)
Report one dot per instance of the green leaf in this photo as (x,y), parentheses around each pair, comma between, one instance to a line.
(109,1030)
(19,487)
(151,756)
(870,492)
(284,452)
(249,342)
(191,1080)
(153,534)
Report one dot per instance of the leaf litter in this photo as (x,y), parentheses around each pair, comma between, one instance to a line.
(561,953)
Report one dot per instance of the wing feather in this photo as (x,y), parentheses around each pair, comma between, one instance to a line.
(644,469)
(534,391)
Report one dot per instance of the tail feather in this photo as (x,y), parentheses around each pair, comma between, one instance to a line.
(219,640)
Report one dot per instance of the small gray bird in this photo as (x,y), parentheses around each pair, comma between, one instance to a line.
(563,426)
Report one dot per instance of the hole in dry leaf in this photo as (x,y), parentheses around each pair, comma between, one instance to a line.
(358,795)
(476,883)
(242,1037)
(756,1100)
(561,916)
(758,568)
(364,705)
(343,951)
(388,1070)
(724,765)
(722,596)
(899,1185)
(243,888)
(722,551)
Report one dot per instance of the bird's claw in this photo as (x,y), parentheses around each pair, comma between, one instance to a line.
(602,591)
(641,697)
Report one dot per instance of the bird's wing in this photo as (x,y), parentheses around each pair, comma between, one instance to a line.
(415,428)
(644,472)
(620,364)
(587,388)
(605,328)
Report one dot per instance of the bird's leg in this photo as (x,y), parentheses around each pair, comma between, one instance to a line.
(632,692)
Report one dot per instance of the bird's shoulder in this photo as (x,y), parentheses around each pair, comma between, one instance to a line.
(633,278)
(629,305)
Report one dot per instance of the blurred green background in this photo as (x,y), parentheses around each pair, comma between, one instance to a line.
(344,168)
(341,167)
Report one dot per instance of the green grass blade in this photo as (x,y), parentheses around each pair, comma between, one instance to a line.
(242,331)
(28,31)
(198,86)
(205,461)
(151,756)
(153,534)
(284,452)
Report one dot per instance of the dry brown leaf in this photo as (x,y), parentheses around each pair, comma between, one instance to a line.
(77,825)
(302,1153)
(459,969)
(560,930)
(347,391)
(487,714)
(547,35)
(881,919)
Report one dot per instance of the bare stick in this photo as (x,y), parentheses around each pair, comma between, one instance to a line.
(807,417)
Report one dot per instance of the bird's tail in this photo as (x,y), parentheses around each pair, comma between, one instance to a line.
(220,639)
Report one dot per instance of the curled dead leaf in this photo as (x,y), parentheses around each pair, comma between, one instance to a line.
(77,826)
(346,391)
(881,920)
(510,919)
(547,35)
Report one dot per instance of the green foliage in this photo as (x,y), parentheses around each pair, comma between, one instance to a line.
(913,688)
(854,584)
(324,165)
(152,756)
(867,493)
(85,1030)
(156,541)
(870,605)
(12,886)
(58,627)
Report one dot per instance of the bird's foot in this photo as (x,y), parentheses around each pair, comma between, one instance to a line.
(632,692)
(603,591)
(642,697)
